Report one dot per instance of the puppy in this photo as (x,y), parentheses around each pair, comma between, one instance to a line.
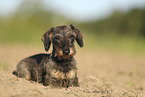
(58,68)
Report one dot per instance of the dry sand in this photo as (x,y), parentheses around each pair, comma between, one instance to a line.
(100,73)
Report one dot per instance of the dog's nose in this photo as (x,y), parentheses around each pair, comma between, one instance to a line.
(66,51)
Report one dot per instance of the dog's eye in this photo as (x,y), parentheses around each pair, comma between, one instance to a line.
(56,42)
(71,36)
(56,38)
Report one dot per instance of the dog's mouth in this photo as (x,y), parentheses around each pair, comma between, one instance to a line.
(65,54)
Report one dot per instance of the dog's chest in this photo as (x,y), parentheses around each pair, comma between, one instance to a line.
(60,71)
(61,75)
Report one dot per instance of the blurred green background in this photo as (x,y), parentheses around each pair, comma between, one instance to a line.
(119,31)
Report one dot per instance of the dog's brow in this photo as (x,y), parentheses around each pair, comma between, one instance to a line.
(58,35)
(69,33)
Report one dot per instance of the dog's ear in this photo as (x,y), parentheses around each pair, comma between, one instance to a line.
(46,38)
(79,35)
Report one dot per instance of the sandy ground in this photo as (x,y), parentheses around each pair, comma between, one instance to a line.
(100,73)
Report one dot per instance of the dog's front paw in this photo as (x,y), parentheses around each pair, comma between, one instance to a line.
(74,82)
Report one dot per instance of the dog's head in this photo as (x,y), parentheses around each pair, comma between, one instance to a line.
(62,38)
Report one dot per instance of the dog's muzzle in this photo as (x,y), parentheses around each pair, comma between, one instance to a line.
(66,50)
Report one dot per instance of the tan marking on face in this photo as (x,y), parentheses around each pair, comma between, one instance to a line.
(74,33)
(72,51)
(60,54)
(50,37)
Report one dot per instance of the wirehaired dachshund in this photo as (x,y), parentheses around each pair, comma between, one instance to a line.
(57,69)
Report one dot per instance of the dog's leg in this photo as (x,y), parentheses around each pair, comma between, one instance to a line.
(22,70)
(74,82)
(52,81)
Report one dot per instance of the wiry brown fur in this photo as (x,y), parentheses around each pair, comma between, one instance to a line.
(58,68)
